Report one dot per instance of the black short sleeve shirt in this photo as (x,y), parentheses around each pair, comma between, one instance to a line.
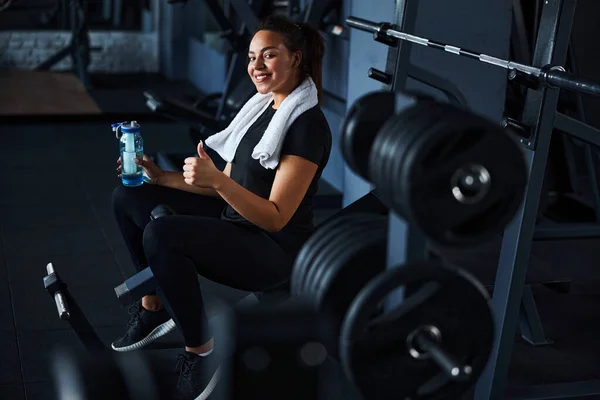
(308,137)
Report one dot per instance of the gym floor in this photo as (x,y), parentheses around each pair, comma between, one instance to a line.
(56,182)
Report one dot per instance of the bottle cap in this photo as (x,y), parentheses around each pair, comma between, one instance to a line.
(132,127)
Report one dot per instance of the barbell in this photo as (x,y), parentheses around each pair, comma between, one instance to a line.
(457,176)
(553,76)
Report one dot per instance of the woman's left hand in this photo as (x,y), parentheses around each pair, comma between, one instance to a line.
(200,171)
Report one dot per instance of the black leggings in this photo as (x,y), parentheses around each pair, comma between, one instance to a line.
(196,241)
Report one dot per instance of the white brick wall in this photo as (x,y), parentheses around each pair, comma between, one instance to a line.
(120,52)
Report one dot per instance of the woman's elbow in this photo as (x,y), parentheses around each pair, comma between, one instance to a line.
(276,225)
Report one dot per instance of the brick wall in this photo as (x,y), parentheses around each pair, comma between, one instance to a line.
(119,52)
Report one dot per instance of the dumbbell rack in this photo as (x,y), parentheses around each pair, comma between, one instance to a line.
(406,244)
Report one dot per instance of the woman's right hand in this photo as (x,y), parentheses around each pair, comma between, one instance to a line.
(151,171)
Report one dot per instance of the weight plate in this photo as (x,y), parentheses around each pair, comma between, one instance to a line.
(354,252)
(378,353)
(470,179)
(390,146)
(360,126)
(358,260)
(354,243)
(334,234)
(341,246)
(357,263)
(461,179)
(304,259)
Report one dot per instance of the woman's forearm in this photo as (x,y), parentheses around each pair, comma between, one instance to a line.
(175,180)
(260,211)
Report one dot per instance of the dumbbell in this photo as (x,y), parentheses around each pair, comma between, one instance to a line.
(143,282)
(457,176)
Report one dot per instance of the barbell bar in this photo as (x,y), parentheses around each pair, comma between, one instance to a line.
(553,76)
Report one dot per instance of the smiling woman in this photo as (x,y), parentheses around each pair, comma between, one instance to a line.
(243,226)
(282,54)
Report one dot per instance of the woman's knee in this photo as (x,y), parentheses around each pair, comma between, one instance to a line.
(128,199)
(123,197)
(160,237)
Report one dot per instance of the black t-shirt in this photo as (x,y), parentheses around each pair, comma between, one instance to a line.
(308,137)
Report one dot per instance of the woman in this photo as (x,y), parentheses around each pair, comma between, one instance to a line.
(243,226)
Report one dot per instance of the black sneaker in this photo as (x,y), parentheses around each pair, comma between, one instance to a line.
(143,328)
(198,376)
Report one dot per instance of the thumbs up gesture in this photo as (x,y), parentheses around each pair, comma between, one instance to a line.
(200,171)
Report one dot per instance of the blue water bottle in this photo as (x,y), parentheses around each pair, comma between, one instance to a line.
(132,147)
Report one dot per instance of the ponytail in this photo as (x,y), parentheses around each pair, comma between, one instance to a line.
(313,55)
(301,37)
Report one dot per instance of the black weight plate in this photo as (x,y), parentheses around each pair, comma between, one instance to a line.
(336,241)
(354,254)
(339,284)
(360,126)
(322,249)
(361,258)
(374,348)
(311,248)
(390,146)
(417,176)
(394,170)
(303,261)
(460,139)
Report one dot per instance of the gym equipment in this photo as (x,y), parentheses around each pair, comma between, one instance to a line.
(340,272)
(142,283)
(334,264)
(456,176)
(538,118)
(101,372)
(360,126)
(69,311)
(434,345)
(552,76)
(79,47)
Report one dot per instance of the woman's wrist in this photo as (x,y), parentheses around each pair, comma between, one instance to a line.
(159,179)
(219,180)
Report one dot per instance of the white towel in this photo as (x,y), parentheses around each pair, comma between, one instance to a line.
(268,149)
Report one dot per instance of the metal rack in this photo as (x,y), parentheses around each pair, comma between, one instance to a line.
(540,116)
(556,21)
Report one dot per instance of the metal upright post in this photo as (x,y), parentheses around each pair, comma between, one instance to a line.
(405,242)
(539,113)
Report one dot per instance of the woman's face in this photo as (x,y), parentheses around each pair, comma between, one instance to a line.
(271,65)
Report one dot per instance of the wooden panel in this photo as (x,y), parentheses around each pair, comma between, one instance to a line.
(44,93)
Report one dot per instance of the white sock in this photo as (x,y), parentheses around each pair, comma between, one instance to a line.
(205,354)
